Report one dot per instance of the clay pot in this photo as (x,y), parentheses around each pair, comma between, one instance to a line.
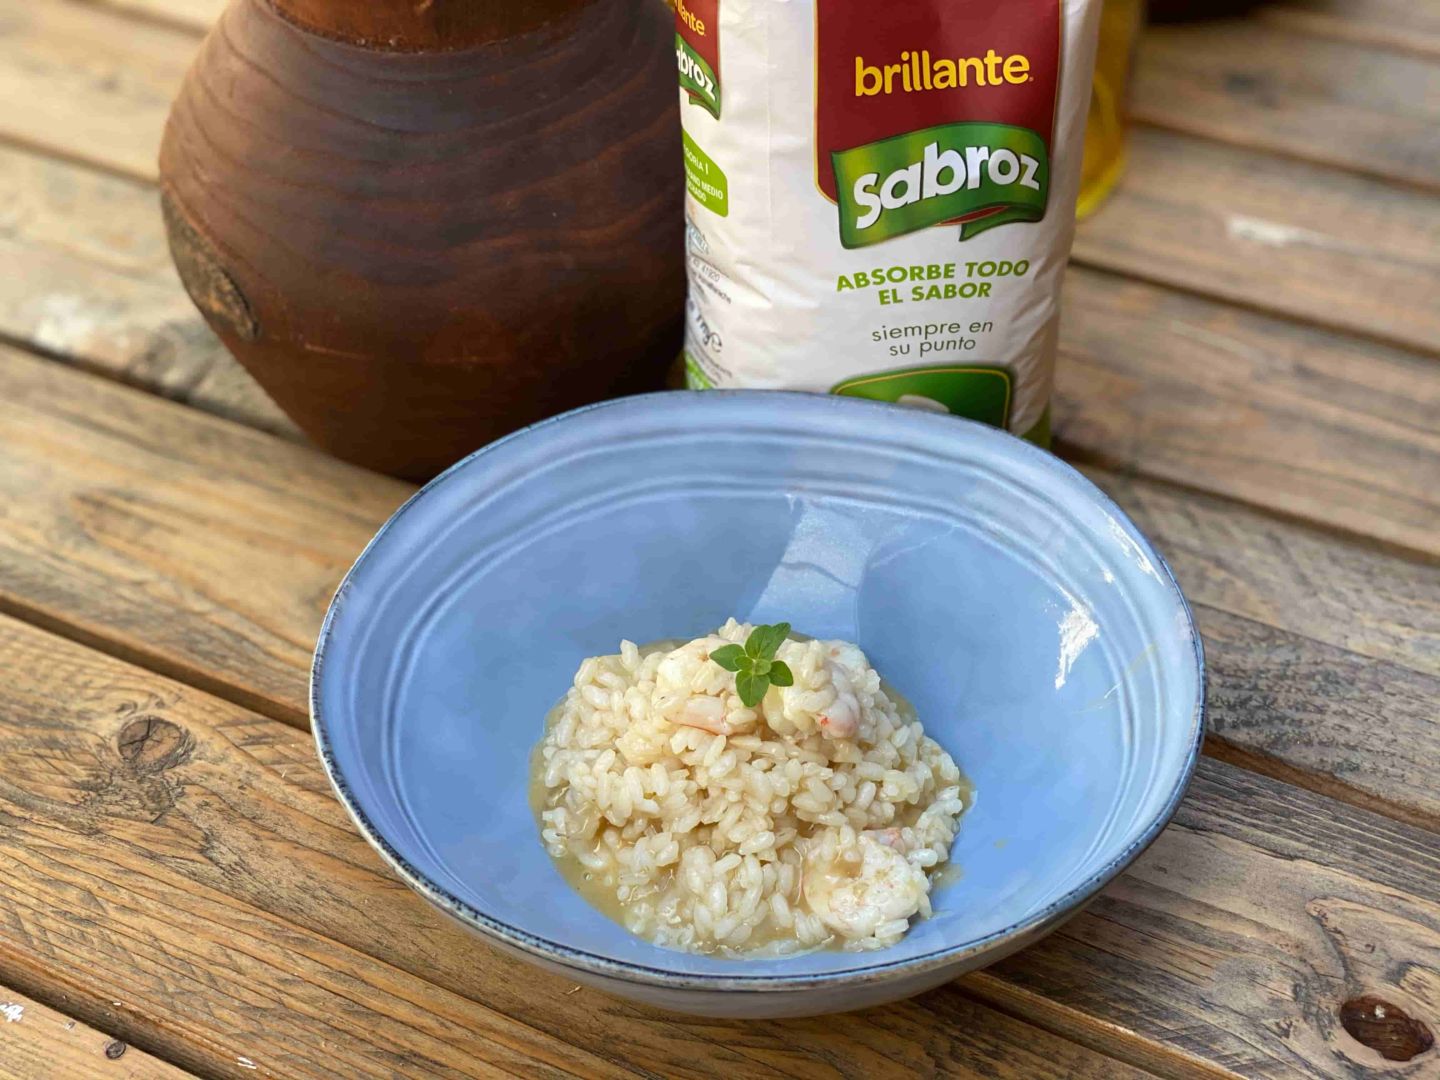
(421,224)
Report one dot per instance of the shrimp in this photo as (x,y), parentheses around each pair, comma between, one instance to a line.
(854,897)
(704,712)
(891,838)
(841,718)
(829,705)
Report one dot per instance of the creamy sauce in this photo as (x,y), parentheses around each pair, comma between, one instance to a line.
(599,891)
(950,872)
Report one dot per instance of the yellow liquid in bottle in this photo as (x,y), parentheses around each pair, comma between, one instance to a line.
(1105,134)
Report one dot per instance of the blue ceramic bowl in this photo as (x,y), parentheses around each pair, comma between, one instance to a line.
(1043,641)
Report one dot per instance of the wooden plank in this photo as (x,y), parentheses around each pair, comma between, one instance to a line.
(1323,655)
(209,552)
(1352,728)
(96,84)
(1272,234)
(1397,24)
(220,986)
(1343,593)
(36,1041)
(1342,432)
(1164,973)
(215,814)
(215,612)
(89,279)
(1407,25)
(1152,380)
(1333,78)
(1341,103)
(1254,918)
(1242,225)
(195,16)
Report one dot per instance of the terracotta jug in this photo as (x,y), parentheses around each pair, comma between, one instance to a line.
(421,224)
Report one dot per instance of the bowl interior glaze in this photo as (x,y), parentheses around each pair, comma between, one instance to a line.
(1042,640)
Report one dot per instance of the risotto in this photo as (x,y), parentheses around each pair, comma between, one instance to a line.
(813,818)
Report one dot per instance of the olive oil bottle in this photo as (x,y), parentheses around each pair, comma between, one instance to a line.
(1106,131)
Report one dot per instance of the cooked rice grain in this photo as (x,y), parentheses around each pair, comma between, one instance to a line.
(711,827)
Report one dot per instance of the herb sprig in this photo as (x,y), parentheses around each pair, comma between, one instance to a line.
(755,666)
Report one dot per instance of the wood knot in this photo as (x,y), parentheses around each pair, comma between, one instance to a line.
(114,1049)
(1387,1029)
(215,291)
(150,745)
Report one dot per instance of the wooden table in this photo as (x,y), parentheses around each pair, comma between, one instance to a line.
(1251,367)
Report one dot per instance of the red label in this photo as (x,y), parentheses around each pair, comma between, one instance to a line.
(697,30)
(698,22)
(886,70)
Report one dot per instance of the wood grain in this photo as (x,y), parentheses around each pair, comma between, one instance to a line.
(1323,654)
(1315,78)
(1405,25)
(89,279)
(96,85)
(136,795)
(1288,237)
(37,1042)
(230,810)
(210,552)
(1351,727)
(1233,945)
(1152,380)
(194,16)
(1397,24)
(1341,103)
(239,608)
(1341,432)
(1244,931)
(1237,224)
(1343,593)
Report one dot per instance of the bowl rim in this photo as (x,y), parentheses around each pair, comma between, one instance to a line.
(568,956)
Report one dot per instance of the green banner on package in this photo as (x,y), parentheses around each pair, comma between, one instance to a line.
(977,393)
(695,377)
(703,179)
(697,77)
(978,174)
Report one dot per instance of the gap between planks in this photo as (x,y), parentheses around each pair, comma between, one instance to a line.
(199,675)
(1153,380)
(1252,83)
(1399,25)
(227,566)
(1420,39)
(1089,459)
(1173,969)
(224,821)
(39,1042)
(1193,218)
(1331,787)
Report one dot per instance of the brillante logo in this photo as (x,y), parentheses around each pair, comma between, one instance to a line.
(916,72)
(689,18)
(939,114)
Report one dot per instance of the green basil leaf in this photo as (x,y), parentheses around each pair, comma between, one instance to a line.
(764,640)
(729,657)
(751,688)
(761,667)
(780,674)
